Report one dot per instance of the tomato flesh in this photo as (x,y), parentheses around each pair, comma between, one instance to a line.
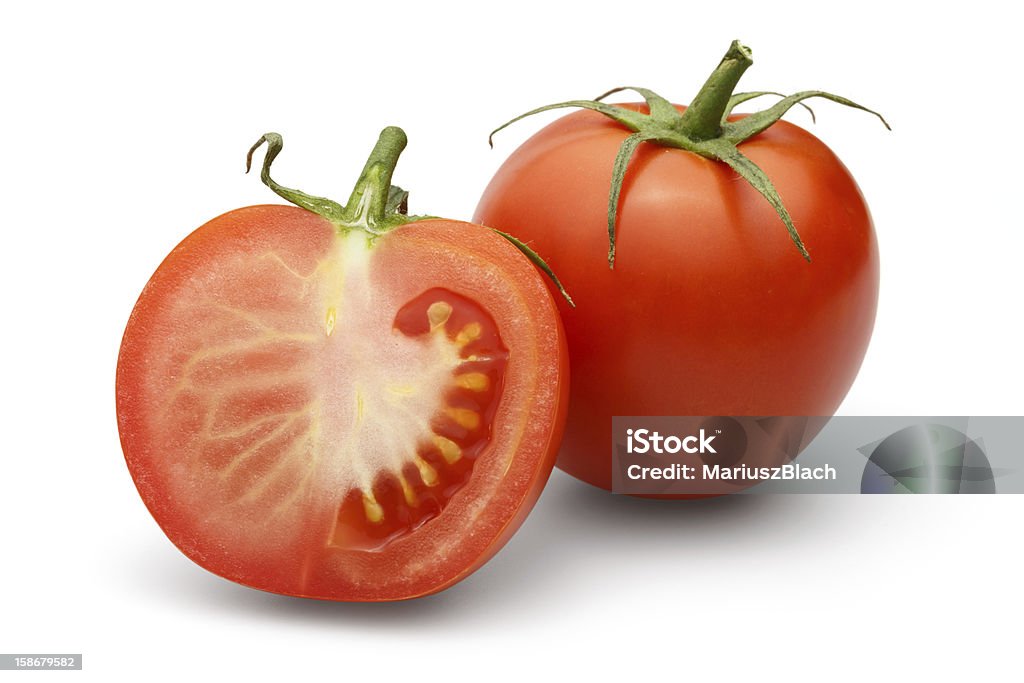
(316,413)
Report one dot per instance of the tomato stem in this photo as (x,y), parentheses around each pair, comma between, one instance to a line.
(702,120)
(321,206)
(375,205)
(368,205)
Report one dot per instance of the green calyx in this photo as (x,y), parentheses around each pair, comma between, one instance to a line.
(375,205)
(703,128)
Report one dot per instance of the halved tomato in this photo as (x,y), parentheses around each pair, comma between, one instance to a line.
(358,405)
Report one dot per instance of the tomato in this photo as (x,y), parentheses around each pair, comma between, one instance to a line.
(709,309)
(336,412)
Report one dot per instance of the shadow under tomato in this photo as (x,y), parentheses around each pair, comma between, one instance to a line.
(578,537)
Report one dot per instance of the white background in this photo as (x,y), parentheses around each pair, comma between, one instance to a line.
(124,127)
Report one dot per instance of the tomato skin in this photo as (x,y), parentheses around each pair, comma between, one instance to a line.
(710,309)
(508,475)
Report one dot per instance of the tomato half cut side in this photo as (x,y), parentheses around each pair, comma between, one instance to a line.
(331,414)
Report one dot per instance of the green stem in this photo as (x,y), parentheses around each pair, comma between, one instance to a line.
(375,205)
(367,205)
(704,129)
(322,206)
(702,120)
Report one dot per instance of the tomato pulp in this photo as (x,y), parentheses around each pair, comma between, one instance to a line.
(709,309)
(334,414)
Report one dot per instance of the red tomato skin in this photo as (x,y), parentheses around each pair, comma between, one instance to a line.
(477,522)
(710,309)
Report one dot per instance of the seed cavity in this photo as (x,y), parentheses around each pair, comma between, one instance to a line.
(458,400)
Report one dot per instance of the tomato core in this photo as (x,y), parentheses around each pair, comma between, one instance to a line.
(401,501)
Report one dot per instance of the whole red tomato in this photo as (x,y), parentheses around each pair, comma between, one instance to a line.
(713,307)
(342,402)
